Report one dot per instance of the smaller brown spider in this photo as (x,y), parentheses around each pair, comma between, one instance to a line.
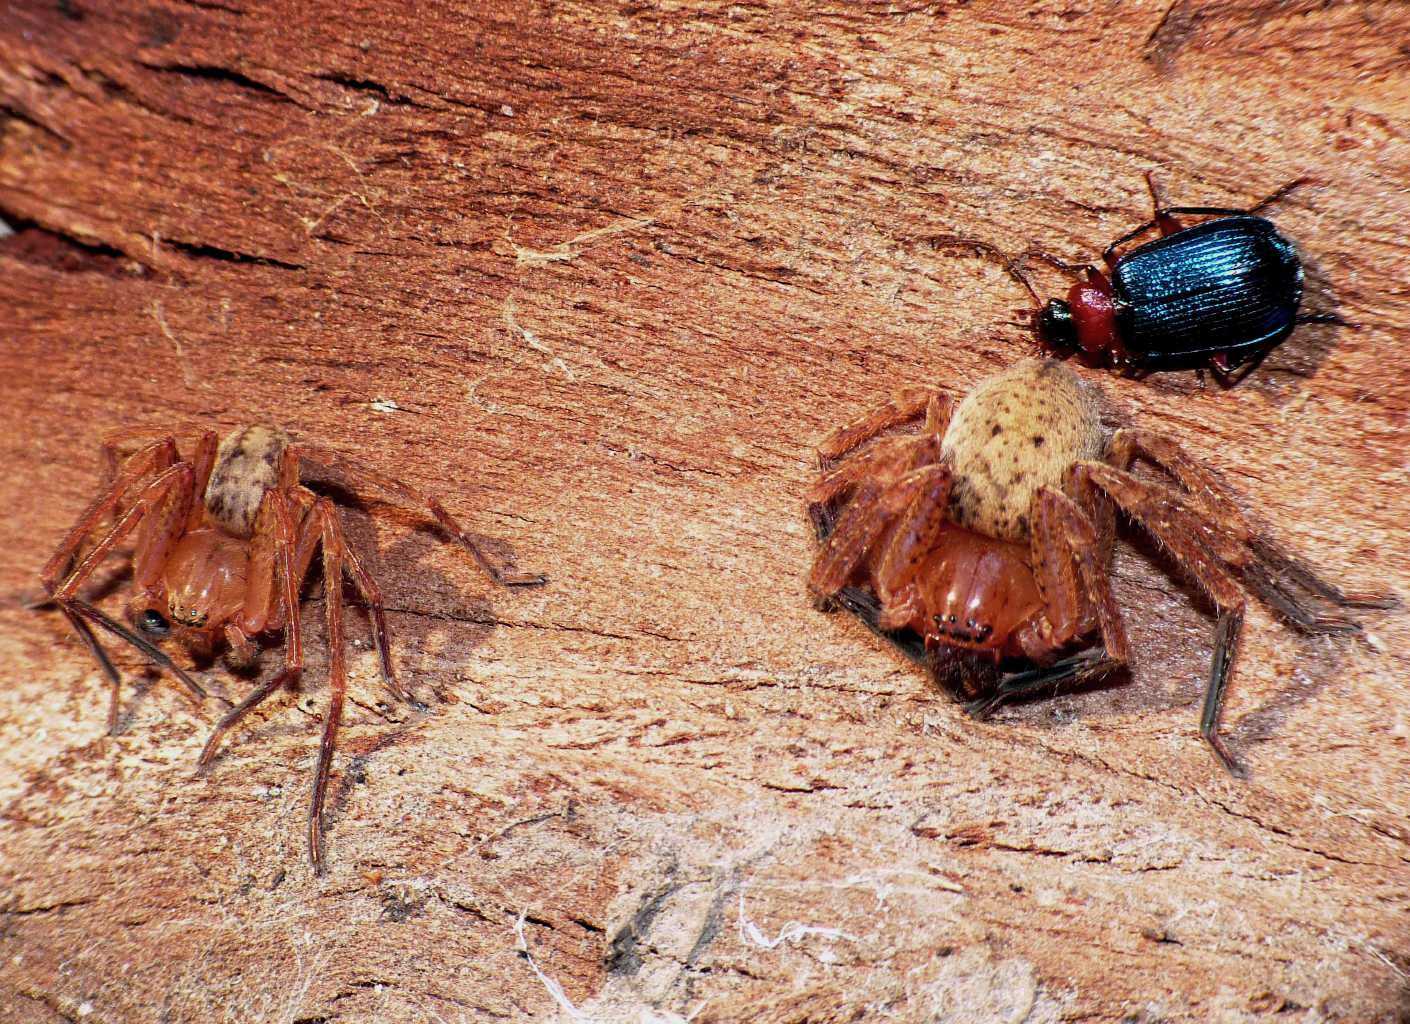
(988,533)
(223,542)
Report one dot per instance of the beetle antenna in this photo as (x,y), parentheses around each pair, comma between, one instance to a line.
(1013,267)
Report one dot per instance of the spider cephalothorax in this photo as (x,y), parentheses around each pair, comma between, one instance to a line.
(988,531)
(222,542)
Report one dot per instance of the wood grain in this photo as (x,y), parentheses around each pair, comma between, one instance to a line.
(602,274)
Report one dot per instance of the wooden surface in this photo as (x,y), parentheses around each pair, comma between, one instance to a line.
(602,274)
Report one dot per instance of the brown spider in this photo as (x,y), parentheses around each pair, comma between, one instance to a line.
(989,533)
(223,543)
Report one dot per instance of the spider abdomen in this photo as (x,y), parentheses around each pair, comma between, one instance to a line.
(246,466)
(1017,432)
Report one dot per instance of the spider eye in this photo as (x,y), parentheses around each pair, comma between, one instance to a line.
(152,623)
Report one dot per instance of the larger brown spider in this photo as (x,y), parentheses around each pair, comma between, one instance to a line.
(988,532)
(223,542)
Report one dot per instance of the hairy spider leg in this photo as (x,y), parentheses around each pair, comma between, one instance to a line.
(885,457)
(174,483)
(117,481)
(152,458)
(911,540)
(170,519)
(275,524)
(857,529)
(1208,536)
(1070,561)
(1071,572)
(881,459)
(334,563)
(1075,670)
(1271,569)
(901,408)
(501,572)
(1186,536)
(863,522)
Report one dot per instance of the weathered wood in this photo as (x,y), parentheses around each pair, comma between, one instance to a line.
(603,274)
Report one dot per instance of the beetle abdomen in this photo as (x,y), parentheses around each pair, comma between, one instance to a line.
(1230,285)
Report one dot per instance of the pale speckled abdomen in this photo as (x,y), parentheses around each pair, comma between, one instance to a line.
(1014,433)
(246,466)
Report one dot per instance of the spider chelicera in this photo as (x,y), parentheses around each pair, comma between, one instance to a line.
(988,533)
(222,542)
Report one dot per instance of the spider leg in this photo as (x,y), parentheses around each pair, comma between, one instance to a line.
(861,524)
(85,633)
(910,542)
(876,461)
(903,407)
(1222,525)
(855,532)
(367,588)
(334,556)
(1073,671)
(1305,576)
(154,457)
(1070,565)
(202,462)
(372,597)
(171,485)
(501,573)
(154,654)
(277,563)
(1186,534)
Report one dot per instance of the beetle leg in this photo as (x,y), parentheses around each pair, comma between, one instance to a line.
(1281,193)
(1164,221)
(1335,319)
(1227,373)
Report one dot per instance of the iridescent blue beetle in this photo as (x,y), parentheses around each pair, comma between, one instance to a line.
(1217,295)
